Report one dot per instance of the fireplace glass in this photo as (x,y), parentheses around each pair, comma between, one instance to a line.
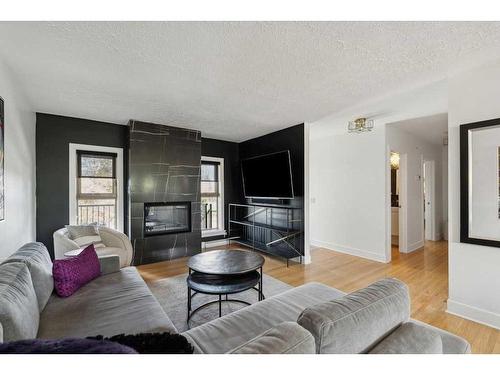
(167,218)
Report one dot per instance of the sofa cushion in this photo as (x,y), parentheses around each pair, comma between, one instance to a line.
(452,344)
(36,256)
(285,338)
(232,330)
(112,304)
(358,321)
(19,314)
(410,338)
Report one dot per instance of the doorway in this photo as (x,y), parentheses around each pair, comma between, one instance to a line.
(395,197)
(429,192)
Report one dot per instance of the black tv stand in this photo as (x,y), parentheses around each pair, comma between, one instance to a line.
(272,229)
(269,202)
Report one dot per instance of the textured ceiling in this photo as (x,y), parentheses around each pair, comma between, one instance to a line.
(432,129)
(231,80)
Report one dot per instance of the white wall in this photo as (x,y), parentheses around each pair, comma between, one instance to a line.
(350,175)
(474,271)
(444,172)
(417,150)
(19,224)
(347,189)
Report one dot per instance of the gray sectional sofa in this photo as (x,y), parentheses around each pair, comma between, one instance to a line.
(312,318)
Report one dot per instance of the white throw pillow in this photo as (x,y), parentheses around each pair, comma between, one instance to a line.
(85,235)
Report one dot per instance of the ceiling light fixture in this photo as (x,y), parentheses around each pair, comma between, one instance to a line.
(360,125)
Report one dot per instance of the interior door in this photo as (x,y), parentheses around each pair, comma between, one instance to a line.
(429,170)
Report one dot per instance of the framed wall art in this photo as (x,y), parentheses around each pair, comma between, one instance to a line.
(2,158)
(480,183)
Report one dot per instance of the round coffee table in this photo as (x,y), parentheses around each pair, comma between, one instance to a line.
(221,273)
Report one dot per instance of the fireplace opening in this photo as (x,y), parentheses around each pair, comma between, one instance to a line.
(166,218)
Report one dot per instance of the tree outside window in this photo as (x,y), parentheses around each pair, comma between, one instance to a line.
(96,188)
(210,196)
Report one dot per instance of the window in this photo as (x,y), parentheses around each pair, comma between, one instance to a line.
(96,186)
(212,196)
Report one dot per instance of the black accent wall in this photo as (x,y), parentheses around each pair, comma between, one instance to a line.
(232,173)
(164,167)
(53,135)
(291,139)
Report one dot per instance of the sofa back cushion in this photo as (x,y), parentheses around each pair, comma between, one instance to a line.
(19,314)
(36,256)
(285,338)
(358,321)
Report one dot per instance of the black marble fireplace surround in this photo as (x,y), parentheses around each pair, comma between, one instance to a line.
(164,170)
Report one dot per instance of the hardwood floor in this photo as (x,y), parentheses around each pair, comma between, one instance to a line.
(425,271)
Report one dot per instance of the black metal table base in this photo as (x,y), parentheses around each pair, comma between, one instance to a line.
(220,300)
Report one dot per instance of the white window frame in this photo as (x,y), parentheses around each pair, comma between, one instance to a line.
(221,231)
(73,211)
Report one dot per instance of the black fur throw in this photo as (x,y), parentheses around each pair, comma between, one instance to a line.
(153,343)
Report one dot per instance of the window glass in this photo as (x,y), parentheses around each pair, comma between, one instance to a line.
(97,186)
(210,196)
(96,189)
(97,166)
(209,171)
(208,187)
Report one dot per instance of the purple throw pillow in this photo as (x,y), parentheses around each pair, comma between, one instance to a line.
(73,273)
(64,346)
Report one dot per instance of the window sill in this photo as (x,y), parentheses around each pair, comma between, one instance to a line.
(213,233)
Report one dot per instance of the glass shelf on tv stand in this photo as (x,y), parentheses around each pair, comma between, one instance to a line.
(280,229)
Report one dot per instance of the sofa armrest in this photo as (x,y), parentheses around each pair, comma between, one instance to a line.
(285,338)
(356,322)
(109,264)
(410,338)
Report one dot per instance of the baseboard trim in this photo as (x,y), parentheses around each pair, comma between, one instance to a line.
(475,314)
(209,244)
(415,246)
(305,259)
(350,251)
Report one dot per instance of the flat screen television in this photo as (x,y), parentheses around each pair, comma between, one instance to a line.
(268,176)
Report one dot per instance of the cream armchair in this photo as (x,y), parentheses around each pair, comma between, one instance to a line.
(116,243)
